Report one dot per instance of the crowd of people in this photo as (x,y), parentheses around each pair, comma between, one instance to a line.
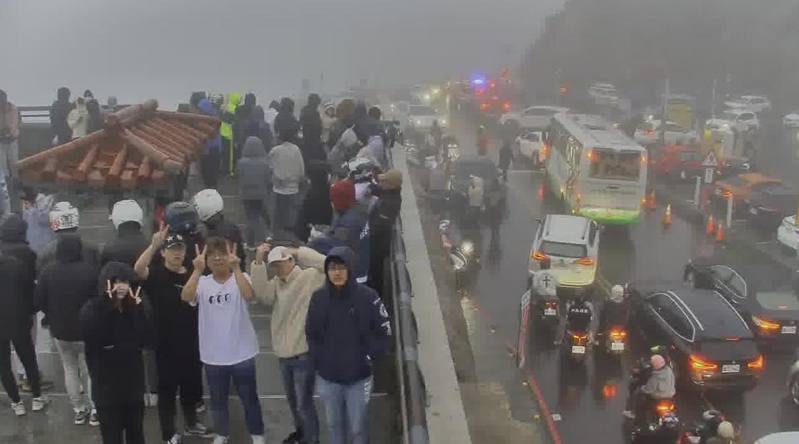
(138,321)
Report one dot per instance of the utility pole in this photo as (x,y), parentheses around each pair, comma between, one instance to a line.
(713,101)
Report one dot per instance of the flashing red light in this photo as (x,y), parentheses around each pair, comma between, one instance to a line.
(492,84)
(506,106)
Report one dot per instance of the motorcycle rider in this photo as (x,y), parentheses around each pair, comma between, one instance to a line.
(725,434)
(579,317)
(614,311)
(659,386)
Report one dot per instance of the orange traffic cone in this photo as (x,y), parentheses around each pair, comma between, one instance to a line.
(710,229)
(650,203)
(720,233)
(667,215)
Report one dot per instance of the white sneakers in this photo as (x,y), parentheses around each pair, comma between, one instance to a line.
(258,439)
(219,439)
(18,408)
(38,404)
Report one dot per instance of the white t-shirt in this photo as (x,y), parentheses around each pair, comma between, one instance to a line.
(226,333)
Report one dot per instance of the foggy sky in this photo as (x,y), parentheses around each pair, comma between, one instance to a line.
(137,49)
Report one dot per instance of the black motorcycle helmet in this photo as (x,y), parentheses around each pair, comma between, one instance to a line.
(181,217)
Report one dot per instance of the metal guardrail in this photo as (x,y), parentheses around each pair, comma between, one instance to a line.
(411,384)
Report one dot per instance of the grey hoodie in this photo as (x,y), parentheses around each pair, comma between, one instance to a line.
(288,168)
(661,384)
(255,175)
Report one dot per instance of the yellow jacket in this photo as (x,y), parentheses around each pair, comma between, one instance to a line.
(228,112)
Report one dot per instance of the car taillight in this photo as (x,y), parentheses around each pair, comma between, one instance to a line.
(618,335)
(757,364)
(649,132)
(585,261)
(506,106)
(664,407)
(698,363)
(539,256)
(551,304)
(765,324)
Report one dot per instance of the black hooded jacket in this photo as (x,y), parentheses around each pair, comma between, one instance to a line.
(286,125)
(114,336)
(14,307)
(129,244)
(311,123)
(13,243)
(58,116)
(365,125)
(64,286)
(347,329)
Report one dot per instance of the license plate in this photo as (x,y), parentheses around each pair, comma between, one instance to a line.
(578,349)
(753,211)
(789,330)
(550,312)
(617,346)
(731,368)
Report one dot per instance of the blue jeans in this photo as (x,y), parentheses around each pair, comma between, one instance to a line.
(243,375)
(346,406)
(298,380)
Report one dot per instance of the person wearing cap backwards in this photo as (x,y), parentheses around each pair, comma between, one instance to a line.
(298,272)
(64,219)
(228,344)
(348,330)
(116,325)
(177,349)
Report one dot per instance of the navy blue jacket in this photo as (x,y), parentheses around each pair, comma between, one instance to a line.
(347,329)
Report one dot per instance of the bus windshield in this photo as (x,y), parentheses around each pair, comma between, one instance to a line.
(615,165)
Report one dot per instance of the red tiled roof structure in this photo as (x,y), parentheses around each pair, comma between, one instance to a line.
(138,146)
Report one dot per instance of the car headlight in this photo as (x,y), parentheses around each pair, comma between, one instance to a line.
(418,122)
(427,97)
(467,248)
(444,121)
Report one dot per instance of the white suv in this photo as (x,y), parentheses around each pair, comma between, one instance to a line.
(757,104)
(568,247)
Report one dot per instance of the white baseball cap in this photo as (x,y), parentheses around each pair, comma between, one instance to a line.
(278,254)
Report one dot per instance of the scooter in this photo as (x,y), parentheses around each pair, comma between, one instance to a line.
(461,252)
(576,345)
(615,342)
(656,409)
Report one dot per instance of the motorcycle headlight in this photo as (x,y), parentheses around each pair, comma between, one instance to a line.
(444,122)
(467,247)
(418,122)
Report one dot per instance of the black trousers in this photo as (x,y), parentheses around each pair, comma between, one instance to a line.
(122,423)
(23,344)
(209,169)
(178,374)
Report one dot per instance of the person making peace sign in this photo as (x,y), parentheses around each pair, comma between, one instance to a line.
(228,345)
(116,326)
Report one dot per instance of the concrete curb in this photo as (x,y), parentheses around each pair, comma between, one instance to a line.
(446,417)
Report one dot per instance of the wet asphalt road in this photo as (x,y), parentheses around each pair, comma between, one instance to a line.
(643,253)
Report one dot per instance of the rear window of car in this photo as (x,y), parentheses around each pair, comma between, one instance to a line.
(778,300)
(561,249)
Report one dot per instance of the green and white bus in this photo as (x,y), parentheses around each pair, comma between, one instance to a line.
(596,170)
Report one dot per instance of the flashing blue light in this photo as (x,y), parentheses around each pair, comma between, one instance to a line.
(478,81)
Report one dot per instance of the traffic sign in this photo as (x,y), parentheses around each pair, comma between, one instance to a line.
(710,160)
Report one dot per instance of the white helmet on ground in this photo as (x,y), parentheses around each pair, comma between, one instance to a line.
(208,203)
(64,216)
(617,293)
(126,211)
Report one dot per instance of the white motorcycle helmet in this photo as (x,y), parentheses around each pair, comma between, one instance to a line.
(617,294)
(208,203)
(64,216)
(126,211)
